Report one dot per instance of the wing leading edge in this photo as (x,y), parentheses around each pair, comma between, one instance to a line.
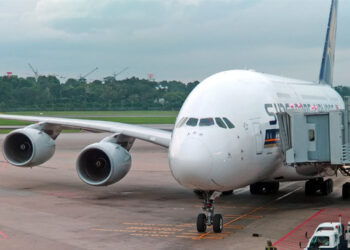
(155,136)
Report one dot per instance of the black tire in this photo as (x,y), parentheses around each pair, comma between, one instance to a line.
(227,193)
(201,223)
(218,223)
(310,188)
(255,188)
(272,187)
(327,187)
(346,191)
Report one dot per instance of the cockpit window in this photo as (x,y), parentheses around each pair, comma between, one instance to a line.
(228,123)
(181,122)
(220,123)
(192,122)
(205,122)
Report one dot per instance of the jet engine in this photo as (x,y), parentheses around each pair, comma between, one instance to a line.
(103,163)
(28,147)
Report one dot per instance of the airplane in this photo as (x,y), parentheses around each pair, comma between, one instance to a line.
(225,137)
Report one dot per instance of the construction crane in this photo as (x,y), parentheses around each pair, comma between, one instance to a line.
(122,71)
(83,78)
(35,71)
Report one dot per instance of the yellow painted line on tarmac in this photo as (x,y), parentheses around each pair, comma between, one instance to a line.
(250,217)
(194,233)
(234,227)
(147,224)
(152,232)
(186,230)
(113,230)
(184,225)
(149,235)
(157,229)
(243,216)
(187,237)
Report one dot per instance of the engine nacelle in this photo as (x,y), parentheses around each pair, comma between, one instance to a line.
(103,163)
(28,147)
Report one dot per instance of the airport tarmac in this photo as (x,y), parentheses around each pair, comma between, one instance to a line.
(48,207)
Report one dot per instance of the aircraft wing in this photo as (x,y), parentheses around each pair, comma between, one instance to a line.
(156,136)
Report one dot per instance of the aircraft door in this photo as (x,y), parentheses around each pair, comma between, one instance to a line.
(259,141)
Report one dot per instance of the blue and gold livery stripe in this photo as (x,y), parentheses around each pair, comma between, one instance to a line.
(272,138)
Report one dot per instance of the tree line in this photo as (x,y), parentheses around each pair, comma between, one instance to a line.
(46,93)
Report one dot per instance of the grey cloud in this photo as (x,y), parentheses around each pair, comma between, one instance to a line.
(185,41)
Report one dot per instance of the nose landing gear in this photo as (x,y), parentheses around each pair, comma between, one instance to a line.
(208,218)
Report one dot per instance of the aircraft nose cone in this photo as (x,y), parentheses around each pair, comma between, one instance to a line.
(191,164)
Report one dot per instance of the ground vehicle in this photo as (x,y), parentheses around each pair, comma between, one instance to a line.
(324,239)
(331,226)
(330,235)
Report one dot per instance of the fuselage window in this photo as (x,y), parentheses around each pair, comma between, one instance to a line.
(228,123)
(220,123)
(311,135)
(192,122)
(181,122)
(205,122)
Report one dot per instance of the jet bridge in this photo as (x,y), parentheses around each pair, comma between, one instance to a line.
(318,138)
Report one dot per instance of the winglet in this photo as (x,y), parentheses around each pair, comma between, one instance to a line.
(327,65)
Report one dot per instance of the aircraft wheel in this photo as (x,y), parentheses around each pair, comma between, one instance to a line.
(327,187)
(272,187)
(255,188)
(218,223)
(346,191)
(201,223)
(310,187)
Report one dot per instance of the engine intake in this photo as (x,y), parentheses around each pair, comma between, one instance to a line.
(103,163)
(28,147)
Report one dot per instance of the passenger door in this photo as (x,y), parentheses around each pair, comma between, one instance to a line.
(259,140)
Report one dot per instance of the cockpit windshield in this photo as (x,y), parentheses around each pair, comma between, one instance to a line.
(205,122)
(221,122)
(192,122)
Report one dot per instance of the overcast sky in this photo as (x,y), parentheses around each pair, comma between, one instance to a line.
(173,39)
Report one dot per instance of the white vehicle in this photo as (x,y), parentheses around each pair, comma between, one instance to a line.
(331,226)
(225,136)
(327,239)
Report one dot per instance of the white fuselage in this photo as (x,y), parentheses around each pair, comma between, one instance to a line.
(215,158)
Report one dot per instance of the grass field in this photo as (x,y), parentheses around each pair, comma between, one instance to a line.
(131,117)
(97,113)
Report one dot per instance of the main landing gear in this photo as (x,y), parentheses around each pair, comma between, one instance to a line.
(346,191)
(208,218)
(314,185)
(264,188)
